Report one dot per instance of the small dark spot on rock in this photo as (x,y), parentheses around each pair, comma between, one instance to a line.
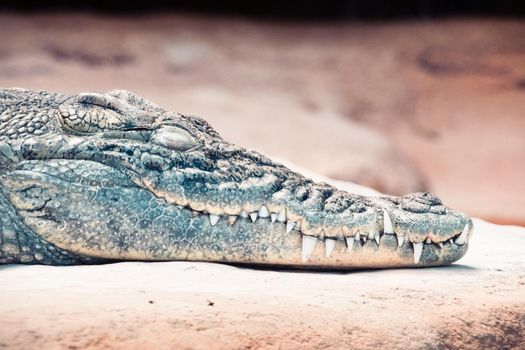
(310,105)
(520,84)
(210,303)
(151,301)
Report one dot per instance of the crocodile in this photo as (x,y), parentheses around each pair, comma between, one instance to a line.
(104,177)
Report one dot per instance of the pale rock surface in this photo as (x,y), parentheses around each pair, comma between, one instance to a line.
(477,303)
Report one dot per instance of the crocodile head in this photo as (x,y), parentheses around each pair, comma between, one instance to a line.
(113,176)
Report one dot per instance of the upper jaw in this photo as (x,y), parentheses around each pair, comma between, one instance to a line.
(417,217)
(365,218)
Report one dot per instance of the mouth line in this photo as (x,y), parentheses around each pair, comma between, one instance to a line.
(352,243)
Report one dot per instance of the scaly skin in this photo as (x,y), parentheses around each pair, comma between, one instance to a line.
(103,177)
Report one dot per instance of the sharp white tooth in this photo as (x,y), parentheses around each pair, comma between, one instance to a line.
(282,215)
(253,216)
(329,245)
(298,225)
(194,213)
(440,245)
(451,241)
(321,235)
(263,212)
(371,235)
(180,206)
(349,243)
(363,237)
(308,247)
(387,222)
(400,240)
(463,236)
(418,249)
(289,226)
(357,237)
(273,216)
(428,241)
(377,237)
(232,219)
(214,219)
(244,215)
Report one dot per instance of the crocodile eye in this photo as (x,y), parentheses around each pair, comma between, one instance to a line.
(91,113)
(112,117)
(174,138)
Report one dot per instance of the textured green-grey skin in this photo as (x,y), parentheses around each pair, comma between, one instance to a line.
(92,177)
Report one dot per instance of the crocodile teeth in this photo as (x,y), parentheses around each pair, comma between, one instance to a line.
(329,245)
(282,215)
(428,241)
(400,240)
(232,219)
(440,245)
(273,216)
(308,247)
(289,226)
(463,236)
(371,235)
(387,222)
(214,219)
(349,243)
(357,237)
(253,216)
(377,237)
(418,249)
(244,215)
(180,207)
(263,212)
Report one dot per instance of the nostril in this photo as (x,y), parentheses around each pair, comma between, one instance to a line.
(414,206)
(426,198)
(422,202)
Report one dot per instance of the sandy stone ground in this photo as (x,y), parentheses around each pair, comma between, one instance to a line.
(399,106)
(477,303)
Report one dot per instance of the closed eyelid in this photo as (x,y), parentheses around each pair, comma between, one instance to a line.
(104,101)
(175,138)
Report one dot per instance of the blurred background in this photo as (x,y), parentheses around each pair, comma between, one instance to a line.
(398,95)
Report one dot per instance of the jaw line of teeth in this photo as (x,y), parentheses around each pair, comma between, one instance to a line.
(309,242)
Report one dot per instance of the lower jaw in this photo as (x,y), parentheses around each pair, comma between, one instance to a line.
(268,244)
(366,255)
